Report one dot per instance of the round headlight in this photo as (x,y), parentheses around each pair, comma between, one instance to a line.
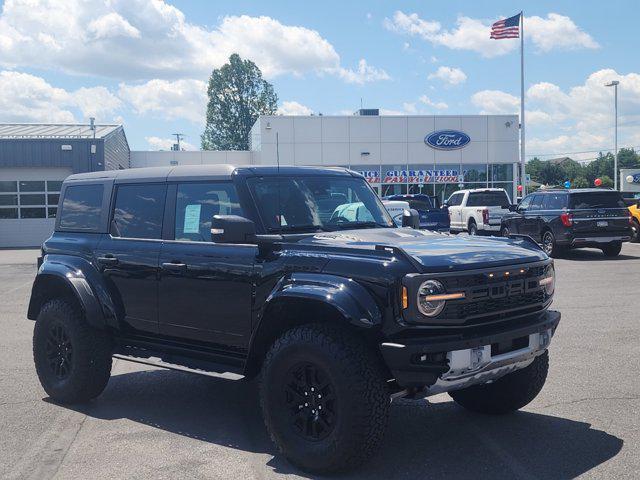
(549,281)
(427,306)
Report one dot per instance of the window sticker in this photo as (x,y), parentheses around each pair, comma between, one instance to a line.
(192,218)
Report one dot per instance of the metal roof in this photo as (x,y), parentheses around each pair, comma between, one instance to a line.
(53,130)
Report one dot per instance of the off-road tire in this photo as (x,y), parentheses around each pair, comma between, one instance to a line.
(507,394)
(89,366)
(473,228)
(361,397)
(504,232)
(612,249)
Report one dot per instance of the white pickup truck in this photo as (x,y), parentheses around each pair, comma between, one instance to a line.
(478,211)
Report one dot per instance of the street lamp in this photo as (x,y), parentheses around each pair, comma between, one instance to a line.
(614,84)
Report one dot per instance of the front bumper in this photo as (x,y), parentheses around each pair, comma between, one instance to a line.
(449,362)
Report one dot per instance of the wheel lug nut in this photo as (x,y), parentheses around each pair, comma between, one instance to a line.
(319,396)
(306,404)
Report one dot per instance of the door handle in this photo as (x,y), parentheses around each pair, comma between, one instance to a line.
(174,266)
(108,259)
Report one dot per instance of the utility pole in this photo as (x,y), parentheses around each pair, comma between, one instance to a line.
(614,84)
(179,136)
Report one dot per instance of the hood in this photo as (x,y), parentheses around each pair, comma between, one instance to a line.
(437,251)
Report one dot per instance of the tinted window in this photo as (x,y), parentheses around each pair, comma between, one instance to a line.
(138,211)
(455,199)
(197,203)
(422,204)
(81,207)
(606,199)
(554,201)
(525,203)
(536,202)
(488,199)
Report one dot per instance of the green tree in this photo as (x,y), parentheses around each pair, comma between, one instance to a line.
(607,182)
(237,96)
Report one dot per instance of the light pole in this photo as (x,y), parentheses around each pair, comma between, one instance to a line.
(614,84)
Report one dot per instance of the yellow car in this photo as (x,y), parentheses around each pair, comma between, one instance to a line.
(634,208)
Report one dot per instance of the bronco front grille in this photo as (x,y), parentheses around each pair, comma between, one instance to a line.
(495,294)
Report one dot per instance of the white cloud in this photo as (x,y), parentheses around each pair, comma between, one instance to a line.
(427,101)
(28,98)
(494,102)
(409,107)
(553,32)
(364,74)
(142,40)
(449,75)
(576,119)
(157,143)
(293,108)
(181,99)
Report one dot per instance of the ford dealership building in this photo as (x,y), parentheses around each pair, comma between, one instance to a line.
(397,154)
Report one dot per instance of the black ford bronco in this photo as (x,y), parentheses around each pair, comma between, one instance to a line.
(296,276)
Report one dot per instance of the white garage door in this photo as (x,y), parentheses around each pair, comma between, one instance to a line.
(28,204)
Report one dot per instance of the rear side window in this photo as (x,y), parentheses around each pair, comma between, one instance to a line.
(420,205)
(197,203)
(488,199)
(586,200)
(138,211)
(554,201)
(82,207)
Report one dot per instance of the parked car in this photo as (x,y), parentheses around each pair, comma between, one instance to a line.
(478,211)
(565,219)
(248,270)
(432,215)
(396,209)
(633,204)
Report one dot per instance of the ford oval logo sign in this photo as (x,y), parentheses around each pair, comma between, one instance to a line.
(447,139)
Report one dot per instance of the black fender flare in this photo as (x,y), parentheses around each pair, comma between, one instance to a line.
(351,299)
(76,275)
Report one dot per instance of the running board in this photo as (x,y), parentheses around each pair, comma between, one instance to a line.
(157,362)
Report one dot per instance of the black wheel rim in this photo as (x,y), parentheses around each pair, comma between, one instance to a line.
(505,232)
(310,400)
(59,351)
(472,230)
(547,242)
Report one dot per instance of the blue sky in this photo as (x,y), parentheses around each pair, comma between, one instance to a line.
(146,64)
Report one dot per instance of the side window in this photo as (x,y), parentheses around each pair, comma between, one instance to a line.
(82,207)
(138,211)
(536,202)
(554,201)
(525,203)
(197,203)
(455,199)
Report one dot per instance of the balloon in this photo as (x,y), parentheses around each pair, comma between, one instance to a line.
(629,179)
(567,184)
(597,182)
(519,188)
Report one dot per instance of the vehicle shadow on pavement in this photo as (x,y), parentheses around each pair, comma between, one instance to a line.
(590,255)
(423,440)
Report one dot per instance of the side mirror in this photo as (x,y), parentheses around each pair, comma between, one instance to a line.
(445,206)
(411,218)
(232,229)
(512,208)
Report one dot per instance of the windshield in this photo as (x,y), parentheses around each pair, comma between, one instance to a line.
(596,200)
(317,203)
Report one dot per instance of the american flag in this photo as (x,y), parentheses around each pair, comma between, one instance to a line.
(506,28)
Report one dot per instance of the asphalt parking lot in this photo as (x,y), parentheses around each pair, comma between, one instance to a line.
(162,424)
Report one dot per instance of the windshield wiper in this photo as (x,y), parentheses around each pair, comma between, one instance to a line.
(349,225)
(296,228)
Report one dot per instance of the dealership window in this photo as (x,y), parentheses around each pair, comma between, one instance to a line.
(29,198)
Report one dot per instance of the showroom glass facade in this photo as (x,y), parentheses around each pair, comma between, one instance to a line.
(440,181)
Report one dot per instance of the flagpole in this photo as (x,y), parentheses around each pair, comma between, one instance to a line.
(523,177)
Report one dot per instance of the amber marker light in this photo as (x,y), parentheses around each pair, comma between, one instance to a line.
(445,296)
(405,298)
